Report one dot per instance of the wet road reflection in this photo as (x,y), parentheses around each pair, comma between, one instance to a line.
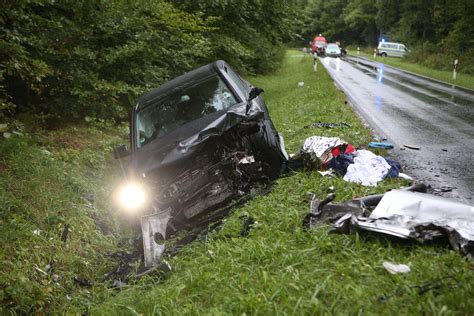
(408,109)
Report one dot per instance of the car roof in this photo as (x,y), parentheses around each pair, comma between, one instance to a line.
(180,82)
(391,43)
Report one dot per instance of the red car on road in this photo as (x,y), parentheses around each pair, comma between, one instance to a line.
(318,45)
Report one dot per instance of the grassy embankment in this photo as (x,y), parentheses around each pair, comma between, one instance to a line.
(48,179)
(463,80)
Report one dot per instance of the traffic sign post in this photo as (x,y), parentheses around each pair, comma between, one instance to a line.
(455,65)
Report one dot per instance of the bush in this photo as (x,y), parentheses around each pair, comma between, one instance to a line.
(95,58)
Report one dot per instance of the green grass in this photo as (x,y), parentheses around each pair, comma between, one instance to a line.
(47,180)
(463,80)
(46,177)
(282,269)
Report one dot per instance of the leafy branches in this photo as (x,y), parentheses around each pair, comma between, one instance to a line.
(67,60)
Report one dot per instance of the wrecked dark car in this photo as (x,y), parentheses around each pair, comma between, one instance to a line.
(197,142)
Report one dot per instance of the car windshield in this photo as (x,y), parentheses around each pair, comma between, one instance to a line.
(333,46)
(187,104)
(320,43)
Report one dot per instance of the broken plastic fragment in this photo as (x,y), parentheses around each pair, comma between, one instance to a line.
(154,233)
(394,268)
(328,173)
(419,216)
(412,147)
(404,176)
(82,281)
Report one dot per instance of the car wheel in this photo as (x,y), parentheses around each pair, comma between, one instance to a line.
(384,54)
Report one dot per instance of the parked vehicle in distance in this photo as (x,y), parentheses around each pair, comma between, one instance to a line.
(318,45)
(196,143)
(333,50)
(390,49)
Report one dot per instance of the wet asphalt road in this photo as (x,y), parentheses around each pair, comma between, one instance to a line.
(408,109)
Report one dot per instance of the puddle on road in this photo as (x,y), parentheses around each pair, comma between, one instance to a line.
(418,91)
(398,80)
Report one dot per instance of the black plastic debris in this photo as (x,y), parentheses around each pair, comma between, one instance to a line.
(161,270)
(449,282)
(82,281)
(327,125)
(65,232)
(246,226)
(443,189)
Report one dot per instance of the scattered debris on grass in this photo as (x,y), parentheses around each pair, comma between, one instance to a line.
(449,282)
(360,166)
(82,281)
(246,226)
(65,232)
(403,214)
(327,125)
(394,268)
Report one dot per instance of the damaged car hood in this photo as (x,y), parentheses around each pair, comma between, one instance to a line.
(185,141)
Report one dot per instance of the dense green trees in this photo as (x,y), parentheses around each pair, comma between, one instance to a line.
(436,31)
(65,60)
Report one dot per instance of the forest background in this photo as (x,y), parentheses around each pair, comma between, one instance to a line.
(66,61)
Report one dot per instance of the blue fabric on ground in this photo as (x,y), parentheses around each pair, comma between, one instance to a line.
(341,162)
(395,168)
(382,145)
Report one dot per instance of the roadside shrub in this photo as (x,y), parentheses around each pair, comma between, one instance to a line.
(433,56)
(65,61)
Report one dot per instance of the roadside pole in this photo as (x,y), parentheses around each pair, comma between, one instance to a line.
(358,52)
(375,52)
(455,65)
(315,62)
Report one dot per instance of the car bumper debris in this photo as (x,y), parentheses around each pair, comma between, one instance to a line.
(403,214)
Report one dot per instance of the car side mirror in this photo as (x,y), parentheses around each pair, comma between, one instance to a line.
(121,151)
(254,92)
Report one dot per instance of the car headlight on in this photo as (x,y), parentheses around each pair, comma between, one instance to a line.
(131,196)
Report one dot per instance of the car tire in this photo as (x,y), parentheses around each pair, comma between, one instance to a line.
(384,54)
